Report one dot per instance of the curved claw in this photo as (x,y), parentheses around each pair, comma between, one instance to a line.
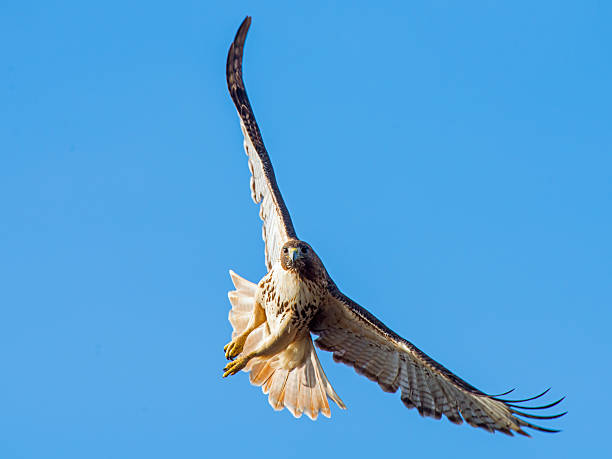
(233,348)
(234,367)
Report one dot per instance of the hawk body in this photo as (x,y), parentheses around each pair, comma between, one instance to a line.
(282,358)
(293,290)
(273,320)
(289,298)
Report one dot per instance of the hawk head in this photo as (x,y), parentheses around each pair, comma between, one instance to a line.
(299,257)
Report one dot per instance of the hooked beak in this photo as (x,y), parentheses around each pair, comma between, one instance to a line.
(294,253)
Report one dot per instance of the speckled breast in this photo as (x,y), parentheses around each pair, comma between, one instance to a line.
(285,295)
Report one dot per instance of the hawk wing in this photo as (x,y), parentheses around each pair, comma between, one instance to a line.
(277,225)
(360,340)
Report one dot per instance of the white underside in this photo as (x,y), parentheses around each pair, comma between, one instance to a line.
(294,377)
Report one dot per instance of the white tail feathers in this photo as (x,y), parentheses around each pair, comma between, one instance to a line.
(293,378)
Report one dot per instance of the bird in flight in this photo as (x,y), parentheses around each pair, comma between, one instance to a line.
(273,321)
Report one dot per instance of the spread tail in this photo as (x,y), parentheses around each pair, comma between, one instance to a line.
(293,378)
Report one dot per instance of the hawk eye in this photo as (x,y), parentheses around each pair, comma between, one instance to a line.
(285,250)
(304,250)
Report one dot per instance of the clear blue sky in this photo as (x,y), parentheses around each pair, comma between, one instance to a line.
(451,163)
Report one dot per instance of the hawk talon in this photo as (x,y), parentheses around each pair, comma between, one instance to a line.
(234,348)
(234,366)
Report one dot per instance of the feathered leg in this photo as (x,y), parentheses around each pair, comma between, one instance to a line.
(235,346)
(289,371)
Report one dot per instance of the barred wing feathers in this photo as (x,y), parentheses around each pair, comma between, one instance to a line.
(277,226)
(360,340)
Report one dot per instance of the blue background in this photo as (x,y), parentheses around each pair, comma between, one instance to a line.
(450,162)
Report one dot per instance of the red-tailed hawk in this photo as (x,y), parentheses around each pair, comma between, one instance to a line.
(274,319)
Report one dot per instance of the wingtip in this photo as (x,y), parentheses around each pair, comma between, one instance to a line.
(233,67)
(521,400)
(243,29)
(523,433)
(542,407)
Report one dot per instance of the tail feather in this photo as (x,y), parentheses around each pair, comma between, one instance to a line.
(277,382)
(261,370)
(242,300)
(294,378)
(243,285)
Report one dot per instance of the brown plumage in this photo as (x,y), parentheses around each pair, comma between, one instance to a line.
(274,319)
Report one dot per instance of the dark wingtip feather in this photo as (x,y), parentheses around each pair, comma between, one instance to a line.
(523,400)
(536,416)
(539,428)
(522,432)
(242,30)
(516,410)
(542,407)
(502,394)
(234,60)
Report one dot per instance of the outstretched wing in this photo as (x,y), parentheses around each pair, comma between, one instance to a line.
(277,225)
(360,340)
